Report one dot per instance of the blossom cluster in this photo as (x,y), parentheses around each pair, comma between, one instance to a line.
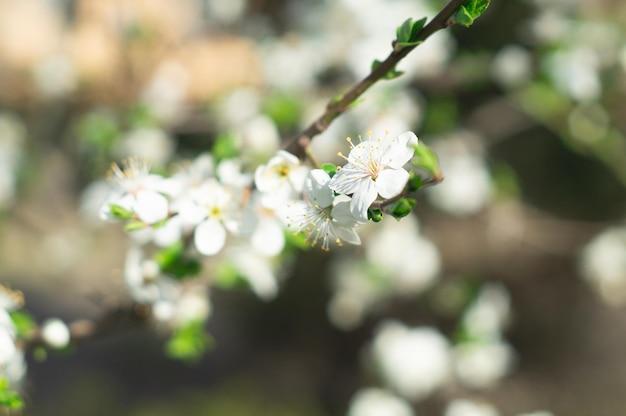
(218,210)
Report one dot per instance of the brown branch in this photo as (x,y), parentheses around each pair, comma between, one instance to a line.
(336,107)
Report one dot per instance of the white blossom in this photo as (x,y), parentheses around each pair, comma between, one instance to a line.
(55,333)
(280,180)
(415,362)
(466,407)
(138,191)
(378,402)
(375,167)
(321,216)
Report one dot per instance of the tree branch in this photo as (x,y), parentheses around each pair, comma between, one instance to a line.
(336,107)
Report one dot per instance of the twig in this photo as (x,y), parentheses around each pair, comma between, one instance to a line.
(336,107)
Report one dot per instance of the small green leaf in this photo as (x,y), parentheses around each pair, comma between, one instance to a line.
(415,182)
(9,398)
(24,323)
(391,74)
(226,146)
(120,212)
(470,11)
(329,168)
(401,208)
(416,28)
(135,225)
(403,32)
(189,343)
(172,260)
(374,214)
(426,160)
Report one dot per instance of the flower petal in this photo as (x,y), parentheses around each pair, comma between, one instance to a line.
(362,199)
(401,150)
(151,207)
(210,237)
(348,179)
(391,182)
(317,188)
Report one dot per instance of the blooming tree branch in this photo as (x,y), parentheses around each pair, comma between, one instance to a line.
(342,103)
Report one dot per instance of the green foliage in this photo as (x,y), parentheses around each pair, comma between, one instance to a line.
(374,214)
(406,34)
(391,74)
(426,160)
(228,277)
(284,109)
(8,397)
(189,343)
(470,11)
(120,212)
(98,129)
(297,240)
(330,168)
(135,225)
(24,323)
(226,146)
(141,116)
(172,260)
(401,208)
(415,182)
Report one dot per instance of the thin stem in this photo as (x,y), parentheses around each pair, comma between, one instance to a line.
(338,106)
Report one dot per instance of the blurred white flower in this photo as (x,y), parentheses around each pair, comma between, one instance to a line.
(575,72)
(489,313)
(7,347)
(512,66)
(12,139)
(55,333)
(378,402)
(137,191)
(221,211)
(465,407)
(466,188)
(225,12)
(280,180)
(55,76)
(415,362)
(480,365)
(397,249)
(375,167)
(144,280)
(258,270)
(146,143)
(166,91)
(603,265)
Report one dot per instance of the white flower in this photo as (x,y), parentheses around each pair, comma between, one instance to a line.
(378,402)
(280,180)
(221,211)
(413,361)
(489,313)
(55,333)
(7,347)
(139,192)
(465,407)
(603,264)
(144,280)
(374,168)
(321,216)
(481,365)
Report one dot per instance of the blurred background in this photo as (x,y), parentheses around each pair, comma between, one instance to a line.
(525,109)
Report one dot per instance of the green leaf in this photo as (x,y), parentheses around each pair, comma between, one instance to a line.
(391,74)
(172,260)
(8,397)
(135,226)
(189,343)
(284,109)
(401,208)
(226,146)
(24,323)
(415,182)
(120,212)
(330,168)
(426,160)
(403,32)
(228,277)
(374,214)
(470,11)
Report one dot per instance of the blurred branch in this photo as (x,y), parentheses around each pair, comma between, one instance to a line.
(123,317)
(341,104)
